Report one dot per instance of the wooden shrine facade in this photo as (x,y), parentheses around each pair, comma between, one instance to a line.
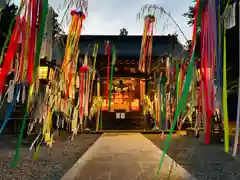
(125,112)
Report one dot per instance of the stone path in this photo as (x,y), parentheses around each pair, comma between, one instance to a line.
(124,156)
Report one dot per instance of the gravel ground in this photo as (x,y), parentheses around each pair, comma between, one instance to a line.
(203,162)
(47,167)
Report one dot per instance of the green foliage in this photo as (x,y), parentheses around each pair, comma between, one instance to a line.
(8,14)
(190,16)
(6,17)
(57,30)
(123,32)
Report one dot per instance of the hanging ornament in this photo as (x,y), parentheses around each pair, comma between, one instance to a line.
(146,47)
(111,77)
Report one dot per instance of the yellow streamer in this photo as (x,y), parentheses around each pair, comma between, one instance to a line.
(70,35)
(95,51)
(225,108)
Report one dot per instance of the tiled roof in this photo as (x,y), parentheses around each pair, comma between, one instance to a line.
(127,46)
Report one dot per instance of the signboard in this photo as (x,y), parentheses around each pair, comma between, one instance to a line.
(118,116)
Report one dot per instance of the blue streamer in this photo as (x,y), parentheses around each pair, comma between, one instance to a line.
(10,108)
(218,56)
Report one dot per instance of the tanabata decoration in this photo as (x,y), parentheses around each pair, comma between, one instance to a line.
(95,52)
(96,108)
(108,52)
(162,82)
(210,71)
(70,78)
(71,50)
(207,60)
(36,42)
(147,105)
(111,78)
(84,73)
(24,27)
(224,91)
(182,102)
(146,47)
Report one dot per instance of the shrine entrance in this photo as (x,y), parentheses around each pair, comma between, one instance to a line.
(125,106)
(126,95)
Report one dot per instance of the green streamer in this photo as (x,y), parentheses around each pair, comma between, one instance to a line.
(180,106)
(16,157)
(40,36)
(95,52)
(162,107)
(111,79)
(193,93)
(163,102)
(154,116)
(100,126)
(10,32)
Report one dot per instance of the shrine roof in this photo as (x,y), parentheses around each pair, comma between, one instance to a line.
(130,45)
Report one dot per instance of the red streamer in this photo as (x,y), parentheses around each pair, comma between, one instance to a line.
(11,51)
(32,41)
(70,81)
(108,71)
(150,48)
(206,76)
(83,69)
(22,45)
(146,45)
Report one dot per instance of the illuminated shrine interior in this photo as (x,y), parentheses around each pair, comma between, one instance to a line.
(126,94)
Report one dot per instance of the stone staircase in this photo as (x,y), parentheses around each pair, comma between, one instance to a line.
(14,123)
(132,121)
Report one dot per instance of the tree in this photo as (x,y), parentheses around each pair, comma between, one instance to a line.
(190,20)
(57,30)
(190,15)
(123,32)
(6,17)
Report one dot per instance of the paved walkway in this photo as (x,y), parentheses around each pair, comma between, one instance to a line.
(124,156)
